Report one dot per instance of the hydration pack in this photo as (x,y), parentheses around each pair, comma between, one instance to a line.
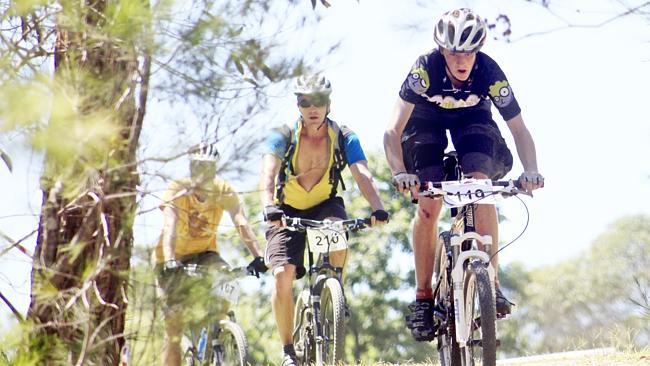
(290,134)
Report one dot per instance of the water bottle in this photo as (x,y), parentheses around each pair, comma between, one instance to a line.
(203,339)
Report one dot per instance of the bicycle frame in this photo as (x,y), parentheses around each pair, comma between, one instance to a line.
(320,272)
(213,328)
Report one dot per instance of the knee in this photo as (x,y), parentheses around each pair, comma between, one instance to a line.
(428,211)
(284,278)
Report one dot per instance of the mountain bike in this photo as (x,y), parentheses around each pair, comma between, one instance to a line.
(210,341)
(465,292)
(319,324)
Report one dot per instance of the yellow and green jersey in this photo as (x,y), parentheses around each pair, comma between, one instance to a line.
(196,228)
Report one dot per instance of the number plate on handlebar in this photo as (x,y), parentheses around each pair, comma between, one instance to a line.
(326,240)
(468,191)
(228,290)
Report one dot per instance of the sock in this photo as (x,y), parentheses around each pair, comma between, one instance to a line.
(288,349)
(424,294)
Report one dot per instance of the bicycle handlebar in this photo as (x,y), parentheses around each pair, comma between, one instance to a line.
(347,225)
(197,270)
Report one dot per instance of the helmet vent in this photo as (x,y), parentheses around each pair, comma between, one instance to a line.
(465,35)
(451,31)
(478,36)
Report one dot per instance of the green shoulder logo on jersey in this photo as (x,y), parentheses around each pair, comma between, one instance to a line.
(501,93)
(418,80)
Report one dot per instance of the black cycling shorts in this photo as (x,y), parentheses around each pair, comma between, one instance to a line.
(480,148)
(288,247)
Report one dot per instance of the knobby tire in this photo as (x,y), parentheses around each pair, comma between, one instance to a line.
(480,309)
(333,322)
(234,345)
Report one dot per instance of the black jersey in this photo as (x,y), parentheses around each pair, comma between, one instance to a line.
(437,100)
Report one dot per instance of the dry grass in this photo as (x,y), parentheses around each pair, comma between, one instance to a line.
(602,358)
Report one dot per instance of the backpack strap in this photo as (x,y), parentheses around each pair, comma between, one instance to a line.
(340,157)
(286,168)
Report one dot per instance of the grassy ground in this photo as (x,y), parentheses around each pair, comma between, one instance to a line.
(641,358)
(608,359)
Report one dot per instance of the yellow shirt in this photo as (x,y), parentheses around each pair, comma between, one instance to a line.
(196,228)
(298,197)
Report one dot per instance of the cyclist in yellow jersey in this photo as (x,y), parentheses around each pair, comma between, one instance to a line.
(306,159)
(192,209)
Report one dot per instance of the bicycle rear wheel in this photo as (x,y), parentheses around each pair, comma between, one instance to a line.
(302,330)
(480,317)
(448,349)
(332,321)
(234,347)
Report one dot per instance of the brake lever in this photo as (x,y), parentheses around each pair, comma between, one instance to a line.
(511,190)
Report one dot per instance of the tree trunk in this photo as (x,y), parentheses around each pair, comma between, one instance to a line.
(81,262)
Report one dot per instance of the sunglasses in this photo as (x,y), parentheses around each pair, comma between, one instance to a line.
(313,101)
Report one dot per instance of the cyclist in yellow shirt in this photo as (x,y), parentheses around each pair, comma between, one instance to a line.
(192,209)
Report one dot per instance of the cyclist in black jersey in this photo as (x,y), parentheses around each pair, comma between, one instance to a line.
(452,88)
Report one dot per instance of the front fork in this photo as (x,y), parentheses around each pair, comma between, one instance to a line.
(460,259)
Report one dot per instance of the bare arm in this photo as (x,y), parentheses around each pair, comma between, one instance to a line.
(270,169)
(244,230)
(366,184)
(530,178)
(170,215)
(393,135)
(524,143)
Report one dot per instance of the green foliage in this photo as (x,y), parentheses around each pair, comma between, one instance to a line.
(23,103)
(20,346)
(24,7)
(588,301)
(513,332)
(127,21)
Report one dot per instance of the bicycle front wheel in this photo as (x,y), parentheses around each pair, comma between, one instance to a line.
(233,345)
(480,317)
(332,322)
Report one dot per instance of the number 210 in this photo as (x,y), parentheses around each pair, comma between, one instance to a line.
(329,241)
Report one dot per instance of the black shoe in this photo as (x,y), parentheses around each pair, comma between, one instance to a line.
(290,359)
(504,306)
(421,321)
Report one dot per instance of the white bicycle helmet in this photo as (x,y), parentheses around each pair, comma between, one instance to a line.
(312,84)
(460,30)
(205,152)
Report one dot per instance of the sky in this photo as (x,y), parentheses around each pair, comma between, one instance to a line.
(583,93)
